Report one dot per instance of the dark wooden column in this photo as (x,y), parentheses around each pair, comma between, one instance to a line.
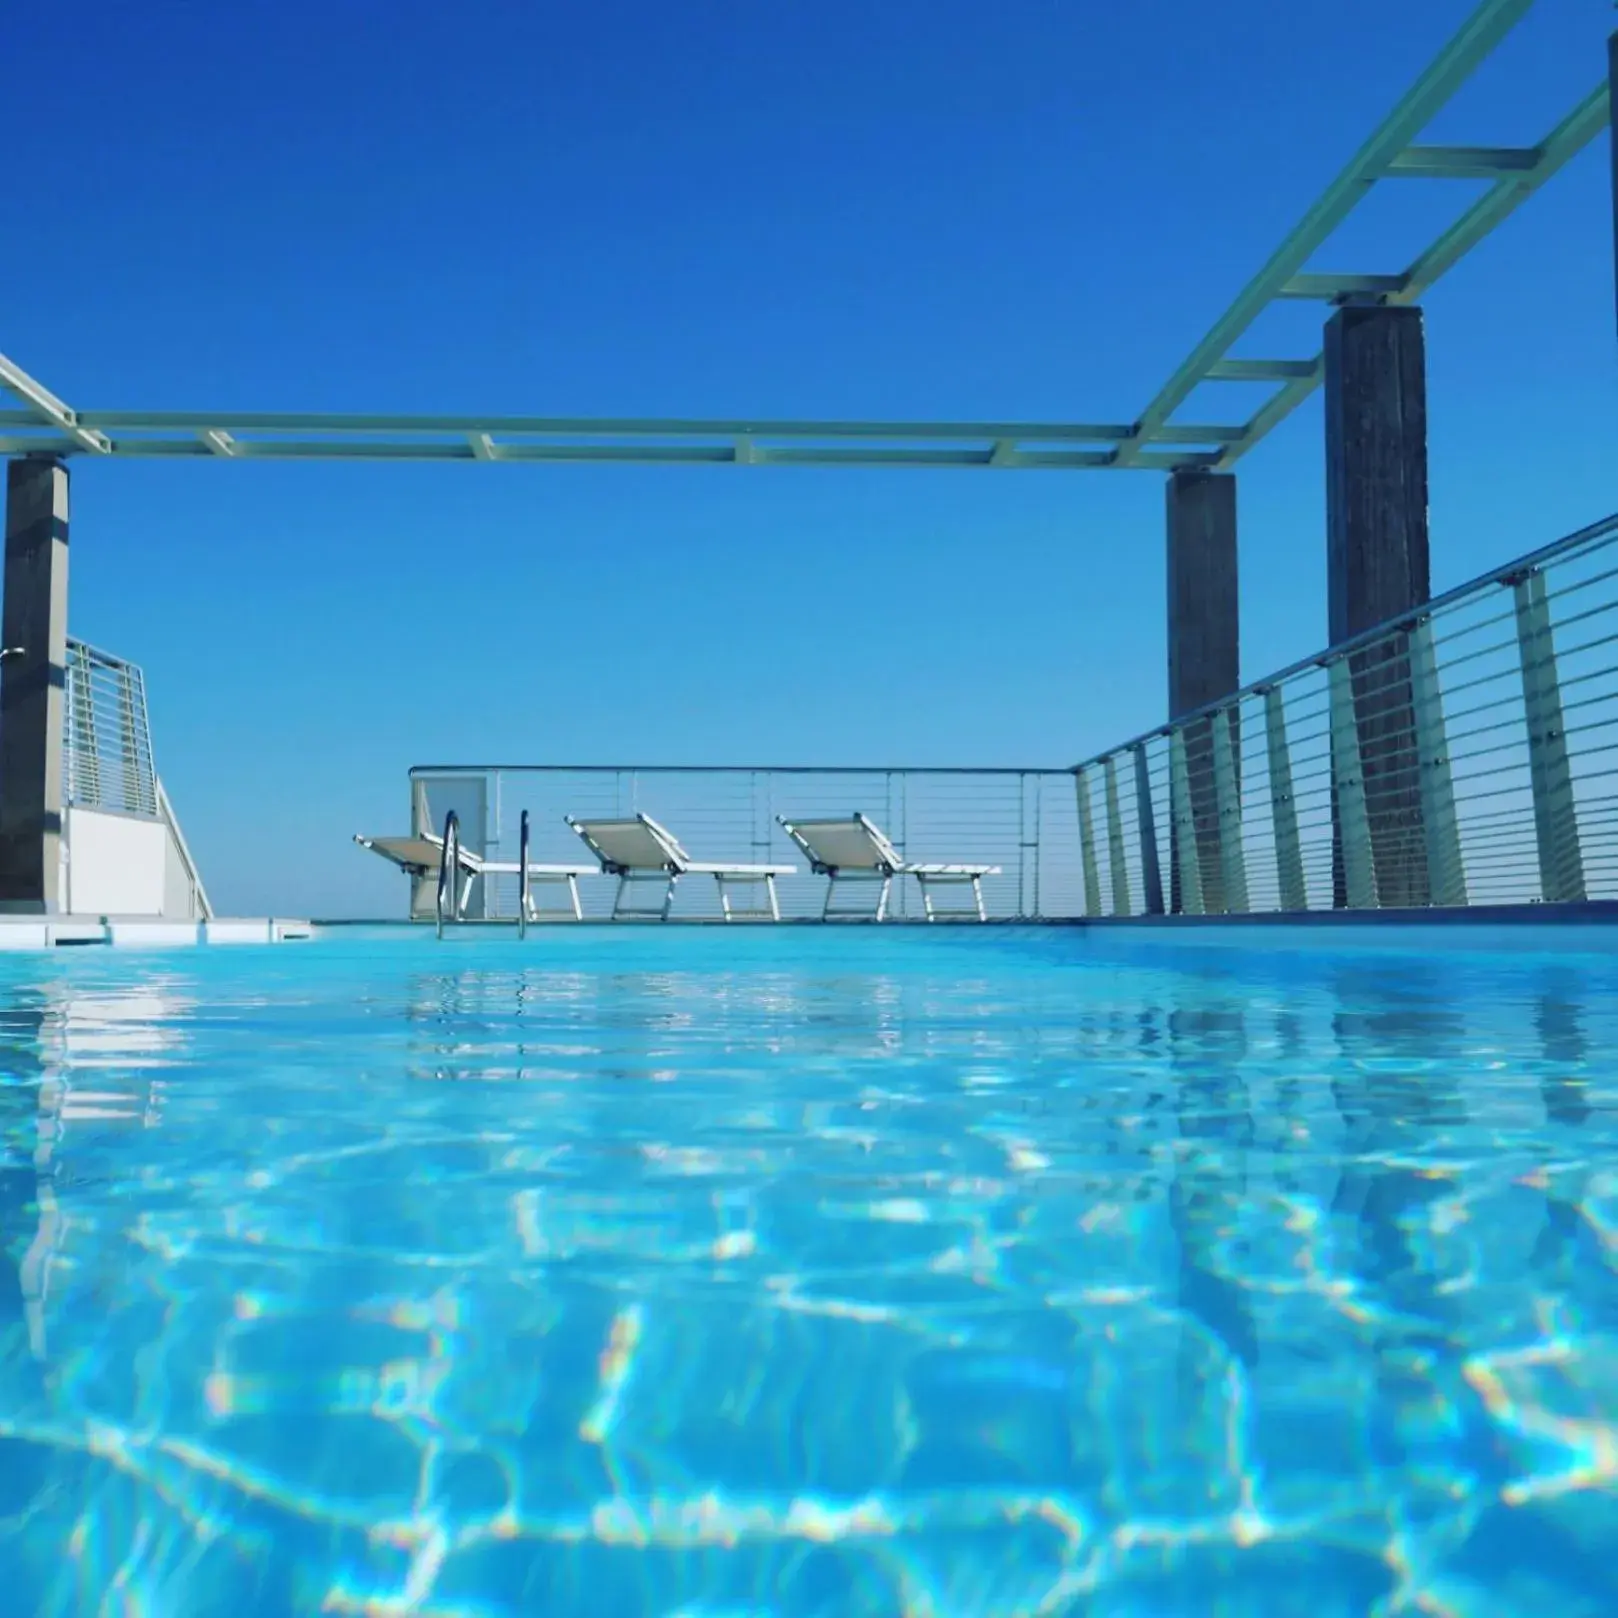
(1204,644)
(33,673)
(1377,564)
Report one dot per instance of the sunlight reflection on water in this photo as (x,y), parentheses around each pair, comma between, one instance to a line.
(801,1273)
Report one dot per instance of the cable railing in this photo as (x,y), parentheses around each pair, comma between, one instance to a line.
(1465,754)
(107,737)
(1018,821)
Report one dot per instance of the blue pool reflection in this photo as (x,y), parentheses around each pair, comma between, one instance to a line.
(952,1274)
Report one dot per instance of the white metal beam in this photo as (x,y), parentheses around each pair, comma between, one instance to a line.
(1463,162)
(1334,288)
(1152,443)
(1487,26)
(44,407)
(1566,141)
(1264,370)
(316,436)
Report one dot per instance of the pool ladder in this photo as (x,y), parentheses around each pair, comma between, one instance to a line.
(451,900)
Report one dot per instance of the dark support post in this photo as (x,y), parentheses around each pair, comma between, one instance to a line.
(1377,567)
(1612,80)
(1204,646)
(33,670)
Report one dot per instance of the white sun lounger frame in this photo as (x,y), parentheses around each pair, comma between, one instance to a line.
(421,856)
(637,850)
(855,850)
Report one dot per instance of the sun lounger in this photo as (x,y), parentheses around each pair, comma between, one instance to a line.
(855,850)
(638,850)
(422,856)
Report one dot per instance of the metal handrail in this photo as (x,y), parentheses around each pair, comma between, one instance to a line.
(1021,823)
(204,905)
(1507,573)
(522,875)
(449,871)
(530,768)
(1417,763)
(107,761)
(1420,762)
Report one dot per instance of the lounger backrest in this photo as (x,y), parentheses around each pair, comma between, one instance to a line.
(425,852)
(637,844)
(852,844)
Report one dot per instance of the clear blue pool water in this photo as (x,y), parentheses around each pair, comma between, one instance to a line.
(950,1274)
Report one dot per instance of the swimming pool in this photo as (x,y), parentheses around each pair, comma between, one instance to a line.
(801,1271)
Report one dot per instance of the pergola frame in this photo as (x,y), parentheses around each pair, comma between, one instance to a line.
(46,425)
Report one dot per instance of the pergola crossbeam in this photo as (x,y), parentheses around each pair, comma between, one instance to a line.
(1566,141)
(248,436)
(1463,162)
(47,426)
(1263,370)
(1389,151)
(1337,288)
(44,407)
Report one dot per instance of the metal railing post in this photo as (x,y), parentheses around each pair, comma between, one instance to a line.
(1087,845)
(523,897)
(1115,842)
(1556,825)
(1228,812)
(1283,806)
(1446,875)
(1031,796)
(131,704)
(84,745)
(1185,826)
(1150,870)
(447,906)
(1348,781)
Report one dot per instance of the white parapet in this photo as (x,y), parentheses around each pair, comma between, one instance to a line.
(151,934)
(139,932)
(116,865)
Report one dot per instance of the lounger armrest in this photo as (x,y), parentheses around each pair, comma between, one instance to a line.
(513,868)
(720,868)
(951,870)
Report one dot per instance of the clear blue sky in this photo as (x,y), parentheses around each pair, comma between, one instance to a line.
(913,210)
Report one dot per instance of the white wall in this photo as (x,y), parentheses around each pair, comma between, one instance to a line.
(117,865)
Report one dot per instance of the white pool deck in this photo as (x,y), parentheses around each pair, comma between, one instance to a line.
(48,932)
